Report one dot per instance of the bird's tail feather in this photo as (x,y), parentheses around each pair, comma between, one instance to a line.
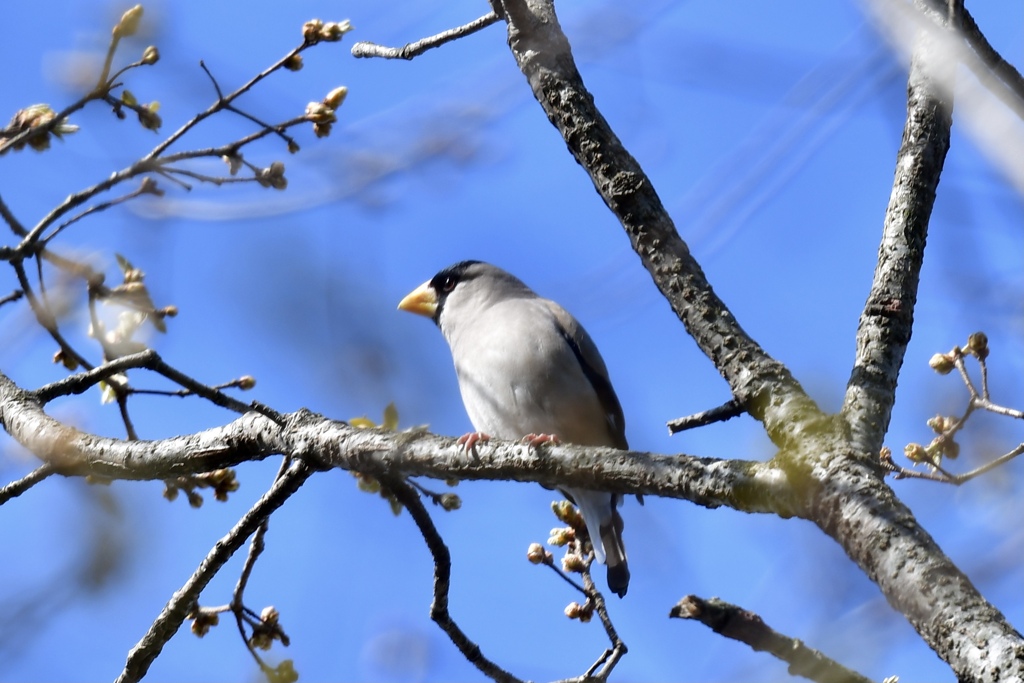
(604,524)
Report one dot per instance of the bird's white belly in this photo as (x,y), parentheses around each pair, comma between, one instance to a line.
(547,393)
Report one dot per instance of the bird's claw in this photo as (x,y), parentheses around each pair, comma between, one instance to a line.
(537,440)
(470,440)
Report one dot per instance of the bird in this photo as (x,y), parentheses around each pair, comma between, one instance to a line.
(528,370)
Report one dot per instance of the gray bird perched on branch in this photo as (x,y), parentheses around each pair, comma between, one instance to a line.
(527,369)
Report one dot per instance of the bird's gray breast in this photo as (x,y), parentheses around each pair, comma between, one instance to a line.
(518,375)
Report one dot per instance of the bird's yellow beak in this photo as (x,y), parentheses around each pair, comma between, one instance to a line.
(421,301)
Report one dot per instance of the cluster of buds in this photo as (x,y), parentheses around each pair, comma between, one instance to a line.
(584,612)
(573,563)
(283,673)
(322,114)
(449,502)
(222,481)
(561,536)
(272,176)
(147,113)
(977,346)
(567,513)
(268,630)
(315,31)
(36,116)
(203,619)
(942,446)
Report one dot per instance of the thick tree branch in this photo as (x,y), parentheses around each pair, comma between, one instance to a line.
(763,385)
(888,317)
(742,485)
(845,494)
(748,628)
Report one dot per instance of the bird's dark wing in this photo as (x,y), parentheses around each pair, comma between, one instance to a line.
(594,369)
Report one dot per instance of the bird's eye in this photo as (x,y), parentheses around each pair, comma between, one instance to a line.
(448,284)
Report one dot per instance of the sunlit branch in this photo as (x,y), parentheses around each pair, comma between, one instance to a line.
(413,50)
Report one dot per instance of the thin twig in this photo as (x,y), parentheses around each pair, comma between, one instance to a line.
(222,101)
(728,410)
(16,488)
(102,206)
(174,613)
(12,221)
(407,496)
(412,50)
(943,476)
(122,405)
(748,628)
(148,359)
(242,613)
(12,297)
(611,657)
(44,316)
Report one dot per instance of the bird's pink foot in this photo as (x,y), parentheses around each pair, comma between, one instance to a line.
(470,440)
(536,440)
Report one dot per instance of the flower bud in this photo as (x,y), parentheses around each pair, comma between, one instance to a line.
(575,610)
(336,97)
(561,536)
(573,563)
(942,363)
(977,345)
(129,23)
(333,31)
(537,554)
(450,501)
(246,382)
(293,63)
(311,30)
(915,452)
(151,55)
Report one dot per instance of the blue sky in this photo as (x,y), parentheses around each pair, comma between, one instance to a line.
(770,132)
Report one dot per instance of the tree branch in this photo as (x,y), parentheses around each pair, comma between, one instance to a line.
(726,411)
(16,488)
(411,50)
(760,383)
(742,485)
(407,496)
(174,613)
(888,317)
(748,628)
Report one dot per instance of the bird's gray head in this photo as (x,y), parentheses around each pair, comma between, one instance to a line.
(463,287)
